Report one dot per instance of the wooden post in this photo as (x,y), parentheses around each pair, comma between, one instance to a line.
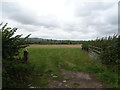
(25,56)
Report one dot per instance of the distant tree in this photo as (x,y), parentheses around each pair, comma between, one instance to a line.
(11,44)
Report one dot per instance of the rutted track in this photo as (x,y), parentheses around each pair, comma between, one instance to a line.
(75,79)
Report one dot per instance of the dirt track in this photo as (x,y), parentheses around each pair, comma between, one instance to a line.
(75,79)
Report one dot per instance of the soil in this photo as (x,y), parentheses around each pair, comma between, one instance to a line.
(75,79)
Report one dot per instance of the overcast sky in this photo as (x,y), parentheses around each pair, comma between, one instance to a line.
(62,19)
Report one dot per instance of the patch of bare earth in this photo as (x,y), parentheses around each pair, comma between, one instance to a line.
(75,79)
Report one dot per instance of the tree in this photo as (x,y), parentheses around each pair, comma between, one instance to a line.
(11,44)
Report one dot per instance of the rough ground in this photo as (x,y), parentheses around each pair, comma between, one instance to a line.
(75,79)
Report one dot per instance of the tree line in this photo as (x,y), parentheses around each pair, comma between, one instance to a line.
(50,41)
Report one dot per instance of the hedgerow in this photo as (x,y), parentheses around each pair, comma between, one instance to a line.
(109,45)
(14,71)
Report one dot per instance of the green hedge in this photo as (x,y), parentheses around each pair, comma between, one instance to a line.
(110,46)
(15,73)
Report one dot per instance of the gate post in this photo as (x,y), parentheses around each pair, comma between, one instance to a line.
(25,56)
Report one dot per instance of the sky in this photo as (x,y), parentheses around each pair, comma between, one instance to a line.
(61,19)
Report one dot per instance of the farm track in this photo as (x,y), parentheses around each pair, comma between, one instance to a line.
(75,79)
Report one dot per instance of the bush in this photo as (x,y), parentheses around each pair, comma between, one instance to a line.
(11,44)
(111,49)
(110,55)
(85,46)
(14,74)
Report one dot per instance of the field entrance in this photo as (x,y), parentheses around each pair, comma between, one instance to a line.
(64,66)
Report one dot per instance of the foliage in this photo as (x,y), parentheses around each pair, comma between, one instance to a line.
(11,44)
(15,73)
(110,55)
(85,46)
(110,47)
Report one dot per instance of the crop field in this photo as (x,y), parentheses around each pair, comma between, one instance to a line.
(54,46)
(51,60)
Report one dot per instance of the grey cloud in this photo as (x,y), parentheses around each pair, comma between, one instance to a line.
(87,8)
(106,30)
(91,20)
(13,11)
(112,17)
(98,18)
(78,28)
(10,7)
(23,19)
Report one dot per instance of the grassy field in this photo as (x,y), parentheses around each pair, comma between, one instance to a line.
(49,60)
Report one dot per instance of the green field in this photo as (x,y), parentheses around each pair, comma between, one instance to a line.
(49,61)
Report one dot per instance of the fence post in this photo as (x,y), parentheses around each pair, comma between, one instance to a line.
(25,55)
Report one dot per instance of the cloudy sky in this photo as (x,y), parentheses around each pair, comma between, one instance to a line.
(62,19)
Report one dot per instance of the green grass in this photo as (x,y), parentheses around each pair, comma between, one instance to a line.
(76,84)
(49,61)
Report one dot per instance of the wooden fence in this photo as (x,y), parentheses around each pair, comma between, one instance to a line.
(94,51)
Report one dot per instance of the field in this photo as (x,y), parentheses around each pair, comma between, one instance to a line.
(53,62)
(54,46)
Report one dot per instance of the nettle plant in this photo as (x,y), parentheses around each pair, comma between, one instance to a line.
(11,44)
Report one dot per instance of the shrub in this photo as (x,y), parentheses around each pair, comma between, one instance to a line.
(110,55)
(110,46)
(15,73)
(11,44)
(85,46)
